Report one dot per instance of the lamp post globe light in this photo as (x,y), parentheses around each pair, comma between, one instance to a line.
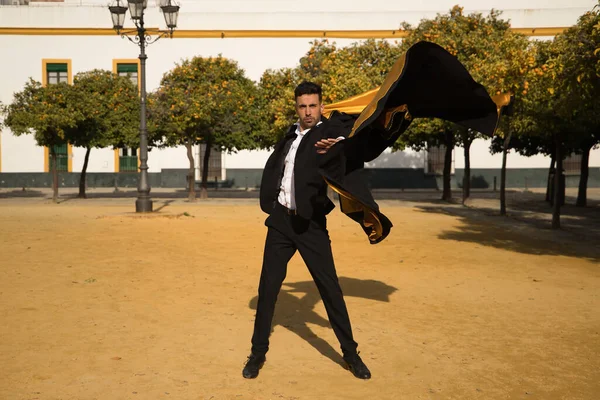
(140,36)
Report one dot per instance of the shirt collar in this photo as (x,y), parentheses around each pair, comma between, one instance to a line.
(302,133)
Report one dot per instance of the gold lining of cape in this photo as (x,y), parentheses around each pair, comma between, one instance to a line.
(390,79)
(388,115)
(370,218)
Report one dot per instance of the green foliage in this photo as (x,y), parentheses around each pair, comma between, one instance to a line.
(205,100)
(579,101)
(109,105)
(563,96)
(348,71)
(495,56)
(98,110)
(341,72)
(596,37)
(534,108)
(276,104)
(47,112)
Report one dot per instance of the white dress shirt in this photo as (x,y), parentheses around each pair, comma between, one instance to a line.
(286,190)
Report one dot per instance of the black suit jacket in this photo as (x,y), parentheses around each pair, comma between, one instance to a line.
(310,187)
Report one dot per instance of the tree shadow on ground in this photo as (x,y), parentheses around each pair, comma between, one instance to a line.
(516,234)
(297,300)
(583,222)
(20,193)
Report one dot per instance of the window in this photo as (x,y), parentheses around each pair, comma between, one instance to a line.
(127,69)
(214,163)
(572,164)
(57,72)
(62,158)
(128,159)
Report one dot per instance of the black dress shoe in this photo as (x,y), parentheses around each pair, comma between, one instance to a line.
(357,366)
(253,365)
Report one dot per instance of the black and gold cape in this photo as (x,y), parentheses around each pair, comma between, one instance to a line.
(426,82)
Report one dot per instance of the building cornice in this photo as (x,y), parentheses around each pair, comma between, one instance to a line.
(225,34)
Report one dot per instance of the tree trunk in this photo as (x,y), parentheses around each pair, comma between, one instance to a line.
(557,183)
(467,175)
(503,175)
(204,191)
(584,172)
(54,175)
(548,191)
(447,194)
(191,173)
(83,171)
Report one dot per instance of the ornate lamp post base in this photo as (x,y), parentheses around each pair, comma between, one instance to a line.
(143,205)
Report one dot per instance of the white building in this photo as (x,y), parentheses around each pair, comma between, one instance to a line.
(52,40)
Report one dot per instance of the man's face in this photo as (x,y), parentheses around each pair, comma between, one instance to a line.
(309,110)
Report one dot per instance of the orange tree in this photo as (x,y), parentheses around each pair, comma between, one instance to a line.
(580,95)
(539,122)
(204,101)
(47,112)
(109,108)
(348,71)
(524,130)
(341,72)
(561,113)
(275,105)
(495,56)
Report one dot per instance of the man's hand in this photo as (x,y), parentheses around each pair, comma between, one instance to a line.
(325,144)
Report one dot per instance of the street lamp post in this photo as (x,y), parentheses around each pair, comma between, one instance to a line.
(142,38)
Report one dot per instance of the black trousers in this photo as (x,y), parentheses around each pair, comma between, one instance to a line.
(286,234)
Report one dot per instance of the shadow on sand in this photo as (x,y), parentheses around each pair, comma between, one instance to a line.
(518,235)
(297,300)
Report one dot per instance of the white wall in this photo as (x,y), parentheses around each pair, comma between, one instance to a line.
(254,55)
(482,158)
(246,159)
(293,14)
(399,159)
(20,153)
(89,52)
(101,160)
(168,158)
(595,158)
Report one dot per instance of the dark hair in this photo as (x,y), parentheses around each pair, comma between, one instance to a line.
(307,88)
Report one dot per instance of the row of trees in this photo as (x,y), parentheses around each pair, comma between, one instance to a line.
(211,101)
(557,112)
(555,89)
(208,101)
(99,109)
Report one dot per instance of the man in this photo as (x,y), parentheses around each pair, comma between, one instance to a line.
(294,194)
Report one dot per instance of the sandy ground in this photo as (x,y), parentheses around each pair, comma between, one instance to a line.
(97,302)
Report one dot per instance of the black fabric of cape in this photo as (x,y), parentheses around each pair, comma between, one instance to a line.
(426,82)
